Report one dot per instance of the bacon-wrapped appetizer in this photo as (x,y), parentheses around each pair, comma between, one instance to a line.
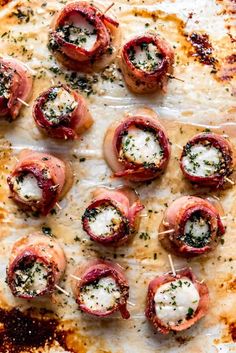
(37,181)
(101,289)
(137,147)
(37,263)
(15,87)
(112,216)
(191,226)
(208,159)
(175,303)
(146,62)
(62,113)
(84,37)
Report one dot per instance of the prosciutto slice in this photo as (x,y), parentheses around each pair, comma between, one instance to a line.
(191,226)
(83,37)
(86,280)
(141,121)
(15,86)
(47,171)
(37,263)
(115,212)
(208,159)
(146,62)
(193,317)
(68,119)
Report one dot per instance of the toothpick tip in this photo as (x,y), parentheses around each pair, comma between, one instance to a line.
(172,265)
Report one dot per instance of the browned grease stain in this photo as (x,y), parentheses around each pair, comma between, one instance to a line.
(228,284)
(227,70)
(229,334)
(203,50)
(23,332)
(30,330)
(229,8)
(4,2)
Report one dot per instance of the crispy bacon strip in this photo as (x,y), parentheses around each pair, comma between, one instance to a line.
(127,204)
(140,80)
(91,273)
(228,161)
(75,56)
(16,84)
(31,249)
(67,126)
(169,277)
(176,217)
(142,118)
(50,173)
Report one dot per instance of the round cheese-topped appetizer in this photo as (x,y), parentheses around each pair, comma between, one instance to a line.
(37,263)
(146,62)
(101,289)
(137,147)
(175,303)
(62,113)
(84,36)
(208,159)
(15,87)
(113,216)
(37,181)
(191,226)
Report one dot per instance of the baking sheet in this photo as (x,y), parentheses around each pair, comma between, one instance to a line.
(206,99)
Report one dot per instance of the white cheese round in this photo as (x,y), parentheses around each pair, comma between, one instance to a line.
(105,222)
(81,32)
(31,280)
(202,160)
(198,230)
(60,103)
(141,147)
(175,301)
(102,295)
(26,186)
(146,57)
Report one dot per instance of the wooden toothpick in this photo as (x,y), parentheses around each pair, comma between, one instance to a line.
(230,181)
(172,265)
(166,231)
(130,303)
(174,78)
(180,147)
(75,277)
(23,102)
(62,290)
(58,206)
(144,215)
(108,8)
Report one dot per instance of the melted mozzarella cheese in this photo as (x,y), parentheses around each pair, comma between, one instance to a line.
(27,188)
(101,295)
(31,280)
(146,57)
(202,160)
(106,221)
(197,231)
(141,147)
(60,103)
(175,301)
(82,32)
